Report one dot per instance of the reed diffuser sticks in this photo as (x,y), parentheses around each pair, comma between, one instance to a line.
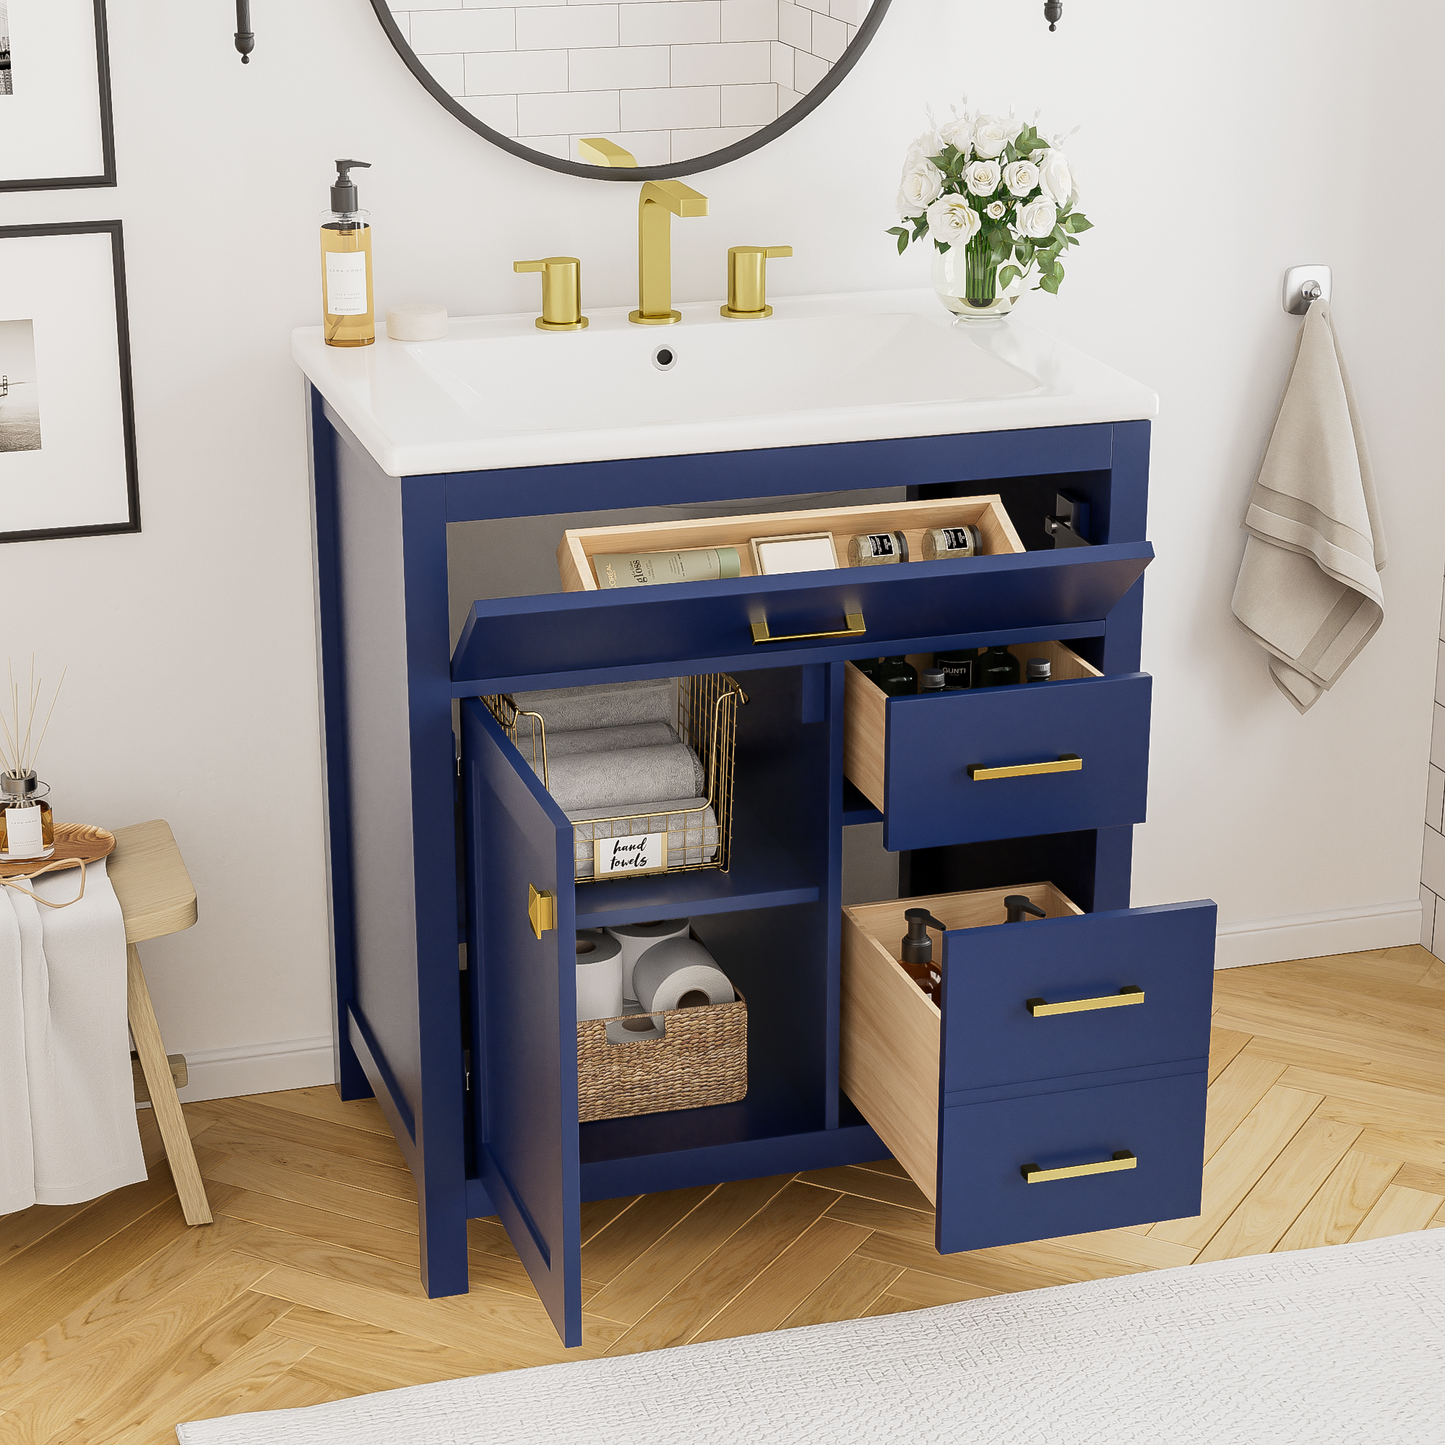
(19,751)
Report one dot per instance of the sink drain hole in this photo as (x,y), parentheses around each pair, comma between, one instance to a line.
(664,358)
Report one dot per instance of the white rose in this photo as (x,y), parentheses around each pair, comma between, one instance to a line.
(991,135)
(983,177)
(924,148)
(996,211)
(1057,177)
(953,221)
(1038,218)
(922,184)
(1021,177)
(957,133)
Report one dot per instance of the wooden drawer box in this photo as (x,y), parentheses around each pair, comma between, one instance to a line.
(917,758)
(920,1074)
(580,545)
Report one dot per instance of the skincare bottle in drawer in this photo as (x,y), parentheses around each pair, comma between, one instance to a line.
(897,676)
(997,667)
(958,666)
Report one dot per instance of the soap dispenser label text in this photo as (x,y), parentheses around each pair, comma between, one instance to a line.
(647,854)
(346,283)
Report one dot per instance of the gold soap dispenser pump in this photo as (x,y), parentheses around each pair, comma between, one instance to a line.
(346,264)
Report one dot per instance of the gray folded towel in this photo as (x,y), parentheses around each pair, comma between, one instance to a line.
(1309,589)
(690,825)
(600,740)
(603,705)
(625,778)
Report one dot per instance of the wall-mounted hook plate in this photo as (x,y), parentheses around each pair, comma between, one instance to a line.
(1299,284)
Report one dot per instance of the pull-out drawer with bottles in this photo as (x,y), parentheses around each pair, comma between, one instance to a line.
(1058,1086)
(1001,762)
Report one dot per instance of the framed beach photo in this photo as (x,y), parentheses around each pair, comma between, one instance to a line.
(67,422)
(55,115)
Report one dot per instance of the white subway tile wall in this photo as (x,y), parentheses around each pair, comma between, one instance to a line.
(670,80)
(1432,866)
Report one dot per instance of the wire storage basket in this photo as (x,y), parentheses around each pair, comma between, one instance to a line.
(673,840)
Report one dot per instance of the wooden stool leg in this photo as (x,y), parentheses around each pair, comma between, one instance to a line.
(179,1150)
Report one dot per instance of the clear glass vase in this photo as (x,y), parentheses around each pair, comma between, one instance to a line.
(968,284)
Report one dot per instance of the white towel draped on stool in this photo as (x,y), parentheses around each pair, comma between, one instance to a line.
(1309,588)
(67,1101)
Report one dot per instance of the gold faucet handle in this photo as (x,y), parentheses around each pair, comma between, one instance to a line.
(561,292)
(748,281)
(602,152)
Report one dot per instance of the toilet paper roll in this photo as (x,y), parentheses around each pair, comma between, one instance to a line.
(675,968)
(637,938)
(599,975)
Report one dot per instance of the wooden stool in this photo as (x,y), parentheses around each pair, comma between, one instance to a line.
(157,897)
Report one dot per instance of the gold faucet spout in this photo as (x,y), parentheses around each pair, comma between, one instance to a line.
(659,202)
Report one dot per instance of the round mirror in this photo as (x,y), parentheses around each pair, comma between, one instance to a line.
(636,89)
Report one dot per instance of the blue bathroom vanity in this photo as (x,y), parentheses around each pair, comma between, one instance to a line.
(1060,1086)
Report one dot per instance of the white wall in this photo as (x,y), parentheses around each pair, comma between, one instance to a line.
(1220,144)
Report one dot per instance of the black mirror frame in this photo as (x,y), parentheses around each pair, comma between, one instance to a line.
(709,162)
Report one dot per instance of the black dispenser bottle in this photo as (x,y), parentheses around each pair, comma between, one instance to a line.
(916,953)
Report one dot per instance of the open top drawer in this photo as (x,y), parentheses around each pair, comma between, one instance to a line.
(963,767)
(913,519)
(571,638)
(1041,1055)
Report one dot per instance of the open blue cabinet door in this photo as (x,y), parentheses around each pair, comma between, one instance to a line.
(526,1091)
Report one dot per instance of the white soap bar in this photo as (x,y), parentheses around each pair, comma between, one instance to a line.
(803,554)
(418,321)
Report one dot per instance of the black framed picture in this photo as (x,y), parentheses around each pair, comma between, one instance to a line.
(67,420)
(55,116)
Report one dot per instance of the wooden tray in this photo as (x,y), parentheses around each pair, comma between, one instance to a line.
(74,843)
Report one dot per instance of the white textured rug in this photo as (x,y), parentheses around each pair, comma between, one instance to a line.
(1337,1346)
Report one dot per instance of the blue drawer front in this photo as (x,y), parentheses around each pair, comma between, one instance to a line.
(515,642)
(932,742)
(984,1200)
(990,1038)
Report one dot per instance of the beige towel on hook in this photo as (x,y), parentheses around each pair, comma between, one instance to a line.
(1309,588)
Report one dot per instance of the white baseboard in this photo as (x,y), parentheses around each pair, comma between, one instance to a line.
(258,1069)
(304,1063)
(1314,935)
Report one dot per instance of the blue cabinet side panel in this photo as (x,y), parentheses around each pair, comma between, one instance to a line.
(377,698)
(326,560)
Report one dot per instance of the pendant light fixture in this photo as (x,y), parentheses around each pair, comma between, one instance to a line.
(1053,12)
(245,40)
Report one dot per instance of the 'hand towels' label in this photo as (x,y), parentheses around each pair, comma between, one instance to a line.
(346,283)
(645,854)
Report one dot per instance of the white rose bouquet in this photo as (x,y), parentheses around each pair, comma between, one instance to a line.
(998,189)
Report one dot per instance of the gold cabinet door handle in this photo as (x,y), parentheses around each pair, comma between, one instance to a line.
(541,910)
(1121,1159)
(1067,763)
(1042,1009)
(854,627)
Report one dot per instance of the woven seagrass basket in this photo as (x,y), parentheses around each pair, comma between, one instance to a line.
(681,1058)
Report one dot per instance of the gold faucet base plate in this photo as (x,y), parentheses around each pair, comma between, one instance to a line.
(745,315)
(667,319)
(579,325)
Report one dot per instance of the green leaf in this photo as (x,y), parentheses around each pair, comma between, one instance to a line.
(902,241)
(1008,276)
(1058,271)
(943,246)
(897,231)
(1049,284)
(1079,222)
(1024,250)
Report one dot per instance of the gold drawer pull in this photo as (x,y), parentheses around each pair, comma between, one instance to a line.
(1067,763)
(1122,1159)
(855,627)
(1042,1009)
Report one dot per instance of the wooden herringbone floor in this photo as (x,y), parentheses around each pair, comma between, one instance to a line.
(1326,1123)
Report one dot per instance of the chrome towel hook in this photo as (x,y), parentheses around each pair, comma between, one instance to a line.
(1304,285)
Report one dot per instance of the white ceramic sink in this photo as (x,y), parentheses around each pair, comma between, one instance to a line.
(496,392)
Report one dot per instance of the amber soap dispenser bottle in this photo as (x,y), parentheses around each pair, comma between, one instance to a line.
(346,264)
